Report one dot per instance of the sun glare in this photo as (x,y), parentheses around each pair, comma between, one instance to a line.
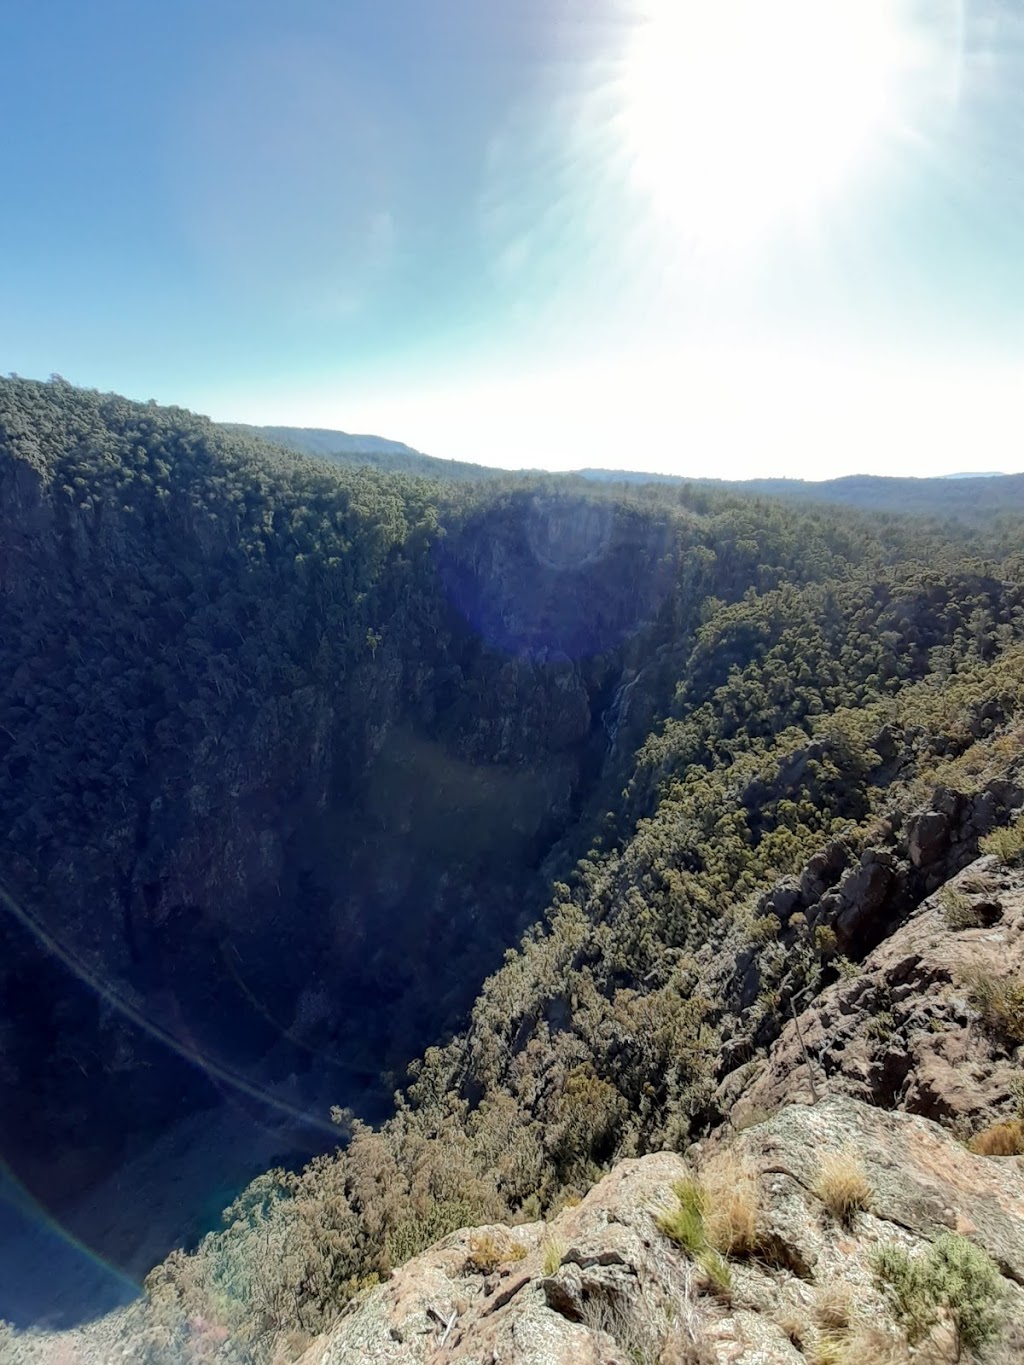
(736,114)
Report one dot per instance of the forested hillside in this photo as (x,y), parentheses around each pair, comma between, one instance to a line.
(371,452)
(292,756)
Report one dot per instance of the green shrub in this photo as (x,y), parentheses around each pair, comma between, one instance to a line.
(413,1235)
(1000,1002)
(881,1026)
(765,928)
(953,1280)
(957,910)
(1006,844)
(825,940)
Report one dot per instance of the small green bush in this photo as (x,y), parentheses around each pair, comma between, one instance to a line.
(765,929)
(957,910)
(414,1234)
(1000,1002)
(881,1026)
(1006,844)
(825,940)
(954,1280)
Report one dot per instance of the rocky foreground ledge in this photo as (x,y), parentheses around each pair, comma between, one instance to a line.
(603,1284)
(778,1261)
(860,1229)
(765,1243)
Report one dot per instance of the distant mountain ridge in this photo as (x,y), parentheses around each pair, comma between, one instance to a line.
(321,441)
(966,497)
(376,452)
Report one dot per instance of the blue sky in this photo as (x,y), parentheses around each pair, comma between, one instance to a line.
(650,233)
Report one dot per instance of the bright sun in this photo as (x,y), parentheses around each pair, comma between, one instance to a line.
(737,114)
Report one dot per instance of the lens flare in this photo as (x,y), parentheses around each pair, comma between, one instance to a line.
(117,1000)
(738,114)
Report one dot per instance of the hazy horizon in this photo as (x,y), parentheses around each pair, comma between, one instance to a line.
(718,240)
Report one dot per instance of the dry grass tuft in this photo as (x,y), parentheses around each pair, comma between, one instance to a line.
(959,911)
(732,1204)
(487,1252)
(552,1251)
(834,1307)
(794,1324)
(681,1347)
(861,1344)
(979,884)
(842,1185)
(1001,1139)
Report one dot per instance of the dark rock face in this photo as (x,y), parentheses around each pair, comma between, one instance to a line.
(863,892)
(863,903)
(928,835)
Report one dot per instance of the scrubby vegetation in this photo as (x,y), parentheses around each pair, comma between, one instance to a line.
(1006,844)
(1000,1139)
(1000,1002)
(234,668)
(952,1282)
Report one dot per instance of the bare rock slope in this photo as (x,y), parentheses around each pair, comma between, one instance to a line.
(602,1284)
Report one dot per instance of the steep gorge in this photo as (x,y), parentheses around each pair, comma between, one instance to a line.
(283,755)
(292,756)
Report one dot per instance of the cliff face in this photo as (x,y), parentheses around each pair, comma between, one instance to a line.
(281,758)
(290,757)
(919,915)
(903,1032)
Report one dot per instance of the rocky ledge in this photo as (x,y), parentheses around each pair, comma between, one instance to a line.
(603,1284)
(762,1247)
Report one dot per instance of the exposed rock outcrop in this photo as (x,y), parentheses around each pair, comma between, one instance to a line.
(603,1284)
(902,1033)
